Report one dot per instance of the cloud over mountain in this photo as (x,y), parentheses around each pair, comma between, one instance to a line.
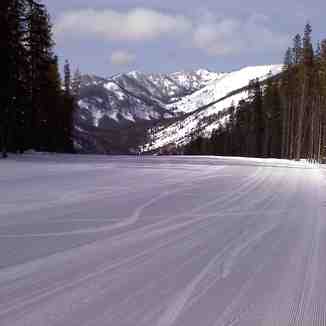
(207,32)
(138,24)
(122,58)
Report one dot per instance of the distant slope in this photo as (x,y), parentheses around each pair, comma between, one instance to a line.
(132,100)
(114,113)
(203,106)
(136,96)
(165,88)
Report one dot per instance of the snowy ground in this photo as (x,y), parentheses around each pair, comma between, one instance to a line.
(161,241)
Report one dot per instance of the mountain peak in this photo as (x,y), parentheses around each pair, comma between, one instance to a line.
(136,98)
(134,73)
(202,106)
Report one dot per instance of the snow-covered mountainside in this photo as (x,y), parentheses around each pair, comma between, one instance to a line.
(121,113)
(117,111)
(165,88)
(203,106)
(132,97)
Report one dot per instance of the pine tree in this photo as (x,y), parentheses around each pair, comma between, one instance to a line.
(287,117)
(41,57)
(76,83)
(6,51)
(69,105)
(295,91)
(322,149)
(12,66)
(258,118)
(67,78)
(306,69)
(297,49)
(51,126)
(268,107)
(276,122)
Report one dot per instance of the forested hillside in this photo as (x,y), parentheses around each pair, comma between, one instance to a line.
(283,118)
(35,108)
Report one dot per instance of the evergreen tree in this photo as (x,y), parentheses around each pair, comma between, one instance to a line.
(13,71)
(76,83)
(268,107)
(297,49)
(258,119)
(306,65)
(322,102)
(67,78)
(51,124)
(69,104)
(276,127)
(41,60)
(287,117)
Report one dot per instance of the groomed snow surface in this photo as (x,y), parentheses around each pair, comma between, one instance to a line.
(161,241)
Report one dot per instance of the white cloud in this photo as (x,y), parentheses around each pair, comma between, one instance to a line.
(213,34)
(138,24)
(233,36)
(122,58)
(218,38)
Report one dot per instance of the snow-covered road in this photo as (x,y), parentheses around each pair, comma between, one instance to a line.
(161,241)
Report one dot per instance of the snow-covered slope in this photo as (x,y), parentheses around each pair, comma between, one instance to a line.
(130,100)
(103,102)
(138,100)
(136,96)
(165,88)
(161,241)
(221,87)
(221,94)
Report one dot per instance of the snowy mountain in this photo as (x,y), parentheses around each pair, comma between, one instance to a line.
(129,111)
(136,96)
(128,100)
(165,88)
(204,108)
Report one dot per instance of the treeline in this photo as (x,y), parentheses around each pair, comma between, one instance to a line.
(285,117)
(36,108)
(253,128)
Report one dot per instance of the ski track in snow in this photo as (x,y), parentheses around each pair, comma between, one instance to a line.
(161,241)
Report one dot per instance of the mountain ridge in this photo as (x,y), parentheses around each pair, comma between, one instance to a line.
(203,111)
(139,101)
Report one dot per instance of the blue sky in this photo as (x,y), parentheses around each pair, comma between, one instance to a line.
(106,37)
